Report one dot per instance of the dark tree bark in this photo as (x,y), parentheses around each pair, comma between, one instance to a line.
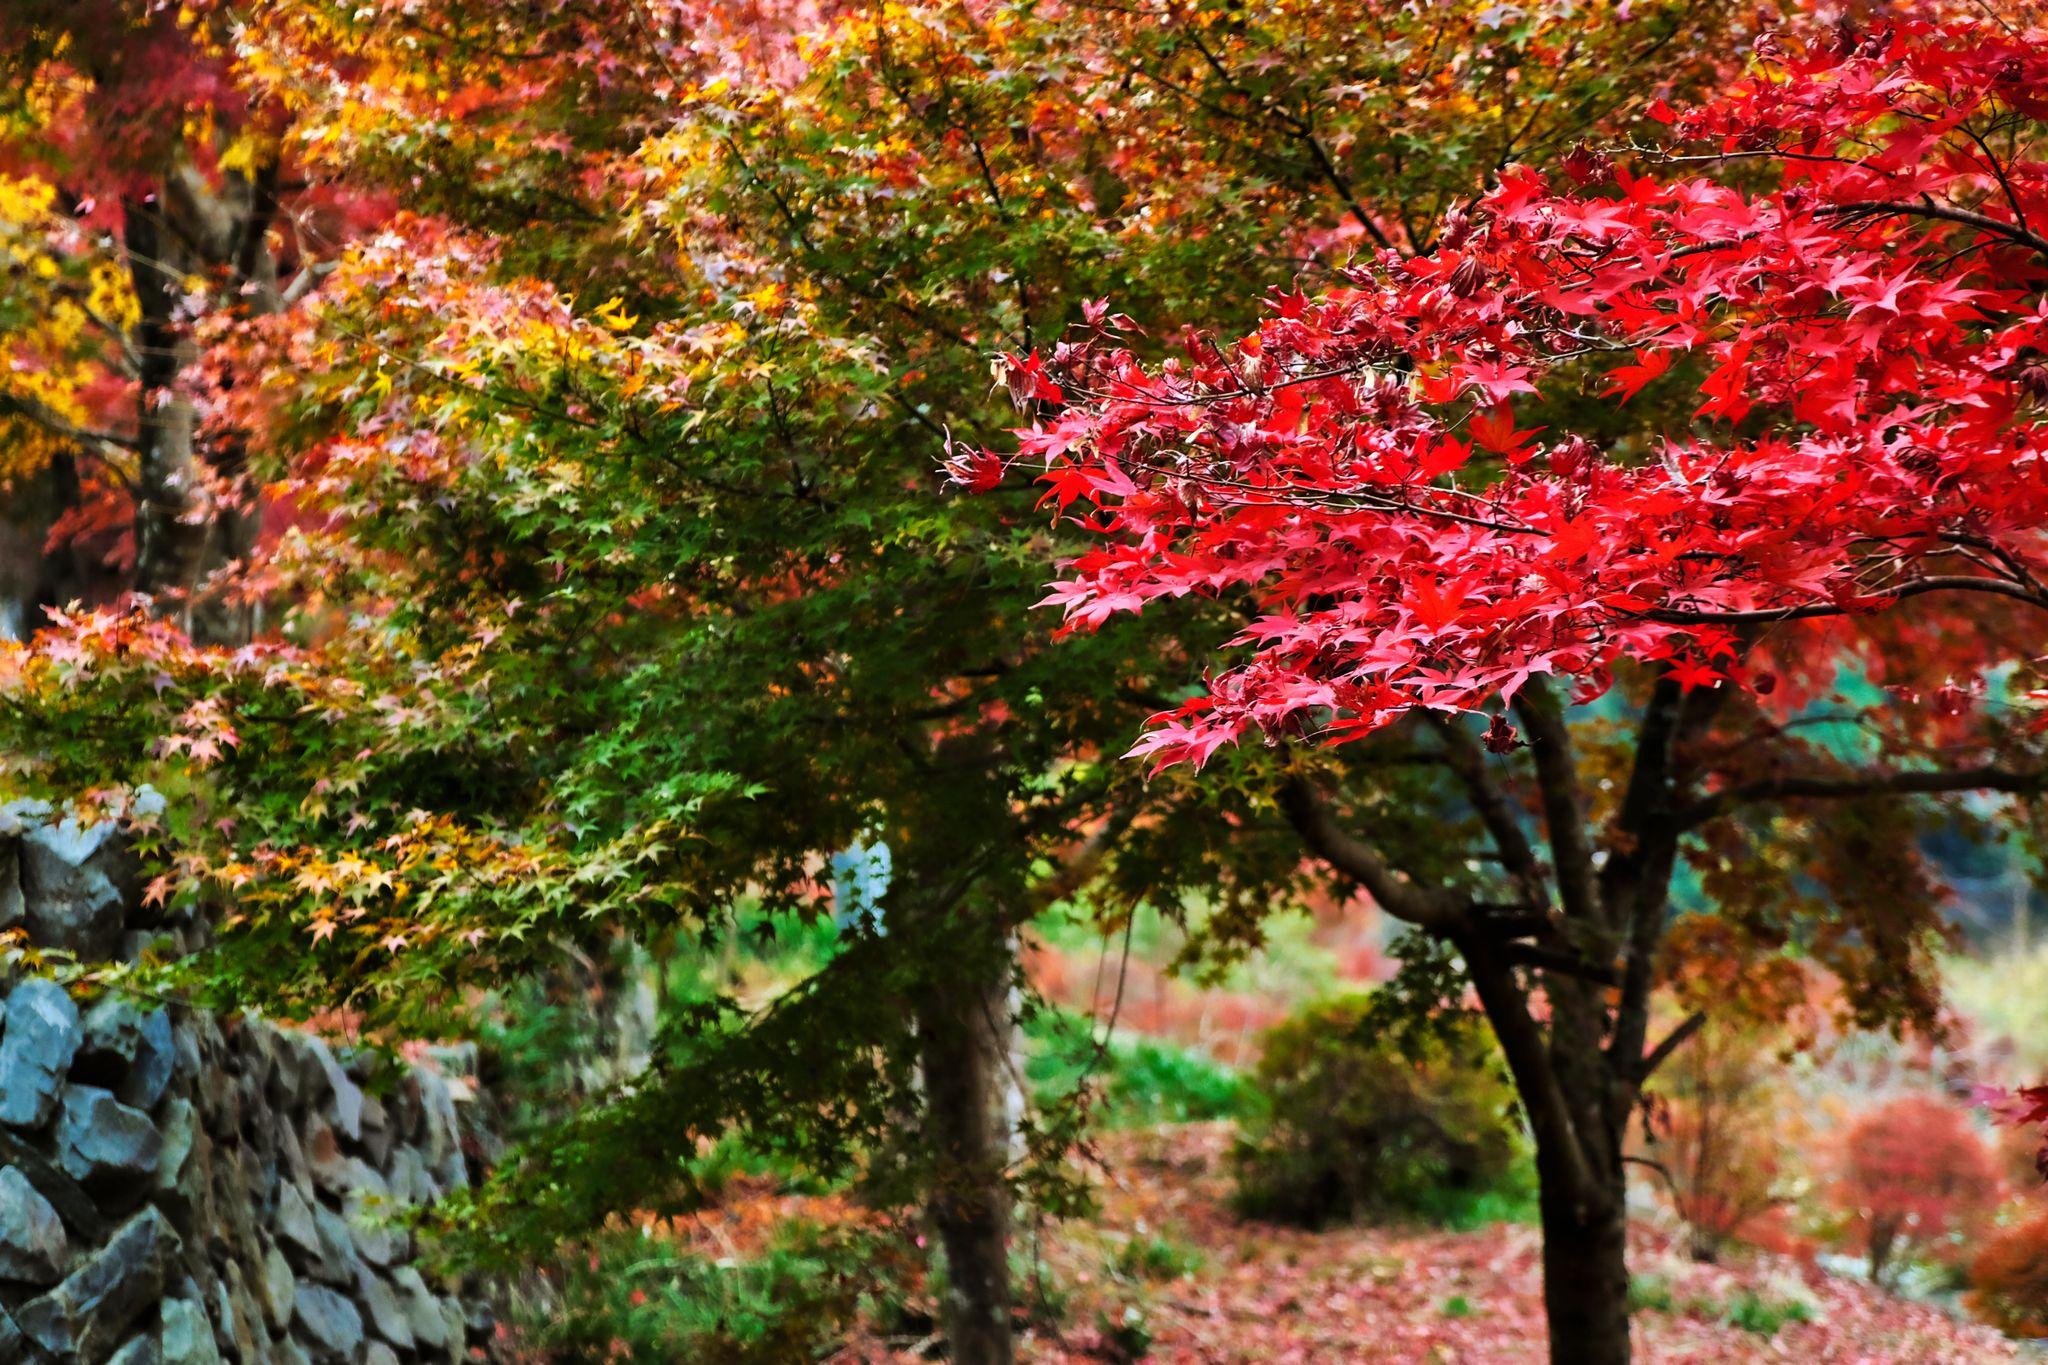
(952,902)
(1884,1234)
(189,227)
(169,541)
(1585,1269)
(963,1039)
(1578,929)
(34,578)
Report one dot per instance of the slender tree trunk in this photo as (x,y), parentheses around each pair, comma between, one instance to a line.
(181,532)
(1585,1271)
(963,1029)
(169,542)
(1884,1232)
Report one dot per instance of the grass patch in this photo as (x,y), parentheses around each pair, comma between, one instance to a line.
(1510,1200)
(1748,1310)
(1140,1081)
(644,1298)
(1151,1257)
(1752,1313)
(1650,1294)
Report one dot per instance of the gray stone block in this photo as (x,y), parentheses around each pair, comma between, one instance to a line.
(295,1225)
(344,1098)
(24,813)
(327,1325)
(73,880)
(109,1035)
(457,1323)
(142,1350)
(386,1311)
(188,1334)
(89,1314)
(240,1323)
(422,1309)
(275,1288)
(338,1262)
(33,1247)
(36,1049)
(155,1058)
(180,1131)
(104,1144)
(13,909)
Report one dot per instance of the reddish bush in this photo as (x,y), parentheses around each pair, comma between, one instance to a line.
(2009,1278)
(1913,1176)
(1714,1131)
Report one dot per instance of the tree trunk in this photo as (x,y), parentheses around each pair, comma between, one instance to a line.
(182,532)
(1585,1271)
(963,1030)
(1884,1232)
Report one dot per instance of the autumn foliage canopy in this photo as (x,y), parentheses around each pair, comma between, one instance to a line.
(1409,470)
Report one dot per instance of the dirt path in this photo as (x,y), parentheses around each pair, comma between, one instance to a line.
(1209,1289)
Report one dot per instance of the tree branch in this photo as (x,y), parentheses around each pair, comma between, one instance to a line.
(1305,133)
(1637,878)
(1562,961)
(1917,587)
(1671,1042)
(1075,870)
(1430,908)
(1868,782)
(1467,761)
(34,410)
(1997,227)
(1521,1042)
(1564,816)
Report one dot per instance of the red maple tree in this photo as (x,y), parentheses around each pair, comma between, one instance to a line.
(1911,1174)
(1710,420)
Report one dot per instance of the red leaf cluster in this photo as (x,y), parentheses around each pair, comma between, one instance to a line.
(1851,354)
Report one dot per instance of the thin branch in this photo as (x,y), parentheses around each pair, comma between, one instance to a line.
(1984,222)
(1671,1042)
(1564,814)
(1915,588)
(1868,782)
(1430,908)
(1305,133)
(1468,761)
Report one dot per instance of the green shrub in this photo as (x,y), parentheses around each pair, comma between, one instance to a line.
(1150,1257)
(1141,1081)
(1362,1125)
(1511,1198)
(636,1298)
(1747,1311)
(1650,1294)
(1124,1338)
(1761,1316)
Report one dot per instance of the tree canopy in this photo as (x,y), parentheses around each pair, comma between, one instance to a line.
(486,478)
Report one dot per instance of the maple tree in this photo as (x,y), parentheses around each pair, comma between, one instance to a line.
(2006,1277)
(1588,509)
(1720,1126)
(585,578)
(1913,1174)
(144,191)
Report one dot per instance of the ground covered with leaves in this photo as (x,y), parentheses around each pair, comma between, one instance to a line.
(1169,1270)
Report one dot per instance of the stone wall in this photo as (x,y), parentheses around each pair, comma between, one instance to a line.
(183,1189)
